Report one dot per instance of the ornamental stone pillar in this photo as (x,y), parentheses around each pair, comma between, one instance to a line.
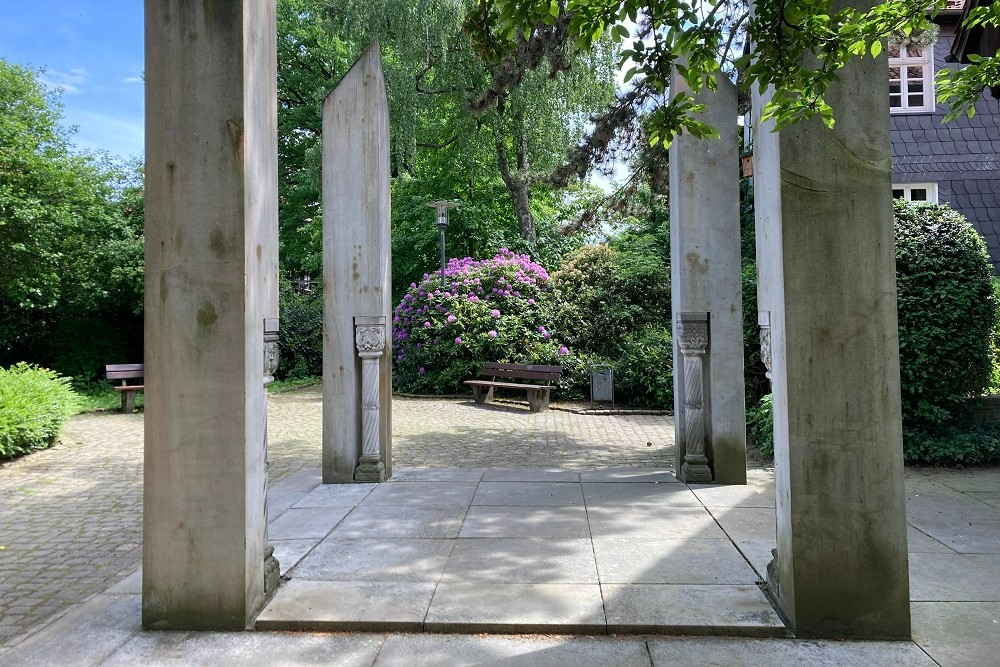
(705,277)
(692,339)
(356,260)
(370,338)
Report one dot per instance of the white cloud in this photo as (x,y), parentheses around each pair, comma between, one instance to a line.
(71,82)
(132,79)
(119,135)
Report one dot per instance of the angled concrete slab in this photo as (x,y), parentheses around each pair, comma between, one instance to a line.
(345,606)
(669,561)
(546,494)
(690,609)
(635,494)
(309,522)
(394,521)
(770,652)
(463,650)
(653,522)
(516,608)
(510,521)
(531,560)
(393,559)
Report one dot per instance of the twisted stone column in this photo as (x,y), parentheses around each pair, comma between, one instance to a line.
(692,333)
(272,569)
(369,337)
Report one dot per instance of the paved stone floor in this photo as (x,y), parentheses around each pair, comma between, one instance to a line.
(502,550)
(71,516)
(70,527)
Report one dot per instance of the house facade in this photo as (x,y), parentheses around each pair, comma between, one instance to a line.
(957,163)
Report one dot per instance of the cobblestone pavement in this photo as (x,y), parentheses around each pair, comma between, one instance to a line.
(71,516)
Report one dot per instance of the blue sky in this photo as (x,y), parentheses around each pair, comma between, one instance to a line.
(93,49)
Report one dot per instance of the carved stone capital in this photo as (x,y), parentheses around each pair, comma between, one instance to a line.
(370,340)
(692,333)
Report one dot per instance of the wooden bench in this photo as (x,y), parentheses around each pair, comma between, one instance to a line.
(125,372)
(538,394)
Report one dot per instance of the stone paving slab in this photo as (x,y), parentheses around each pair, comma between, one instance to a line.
(724,652)
(532,561)
(665,561)
(505,521)
(958,633)
(516,608)
(213,649)
(467,651)
(347,606)
(392,559)
(686,609)
(546,494)
(402,521)
(639,494)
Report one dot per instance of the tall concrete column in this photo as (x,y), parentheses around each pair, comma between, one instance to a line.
(827,295)
(211,281)
(357,270)
(705,283)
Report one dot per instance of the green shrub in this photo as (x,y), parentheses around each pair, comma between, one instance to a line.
(491,310)
(300,335)
(602,294)
(611,304)
(35,403)
(994,386)
(950,446)
(760,426)
(754,373)
(644,372)
(947,315)
(81,347)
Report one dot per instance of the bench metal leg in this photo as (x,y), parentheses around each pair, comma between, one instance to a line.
(128,401)
(481,395)
(538,399)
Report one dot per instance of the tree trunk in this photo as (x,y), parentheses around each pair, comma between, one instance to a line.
(517,182)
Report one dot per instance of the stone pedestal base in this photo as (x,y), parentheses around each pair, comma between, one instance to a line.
(696,471)
(272,570)
(369,470)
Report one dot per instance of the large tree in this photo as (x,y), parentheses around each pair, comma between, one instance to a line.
(70,232)
(489,157)
(796,46)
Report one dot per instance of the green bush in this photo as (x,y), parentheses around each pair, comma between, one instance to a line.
(947,338)
(611,304)
(994,386)
(760,426)
(754,373)
(964,445)
(35,403)
(491,310)
(300,334)
(947,315)
(644,372)
(602,294)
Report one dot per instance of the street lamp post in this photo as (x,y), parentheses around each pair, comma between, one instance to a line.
(442,206)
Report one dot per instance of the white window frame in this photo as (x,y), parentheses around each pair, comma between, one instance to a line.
(908,188)
(924,61)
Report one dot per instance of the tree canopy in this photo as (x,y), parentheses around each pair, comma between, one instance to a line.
(70,223)
(488,157)
(796,46)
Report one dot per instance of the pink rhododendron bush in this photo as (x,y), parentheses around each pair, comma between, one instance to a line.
(489,310)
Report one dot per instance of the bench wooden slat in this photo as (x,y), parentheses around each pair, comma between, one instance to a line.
(506,385)
(131,387)
(124,371)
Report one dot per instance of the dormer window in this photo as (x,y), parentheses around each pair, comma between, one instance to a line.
(911,78)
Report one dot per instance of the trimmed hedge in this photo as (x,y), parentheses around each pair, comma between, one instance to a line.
(35,403)
(946,314)
(948,324)
(300,333)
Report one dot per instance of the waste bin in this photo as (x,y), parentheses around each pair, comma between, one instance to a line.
(602,384)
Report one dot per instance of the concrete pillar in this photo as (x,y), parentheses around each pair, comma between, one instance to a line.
(706,285)
(211,281)
(827,295)
(356,262)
